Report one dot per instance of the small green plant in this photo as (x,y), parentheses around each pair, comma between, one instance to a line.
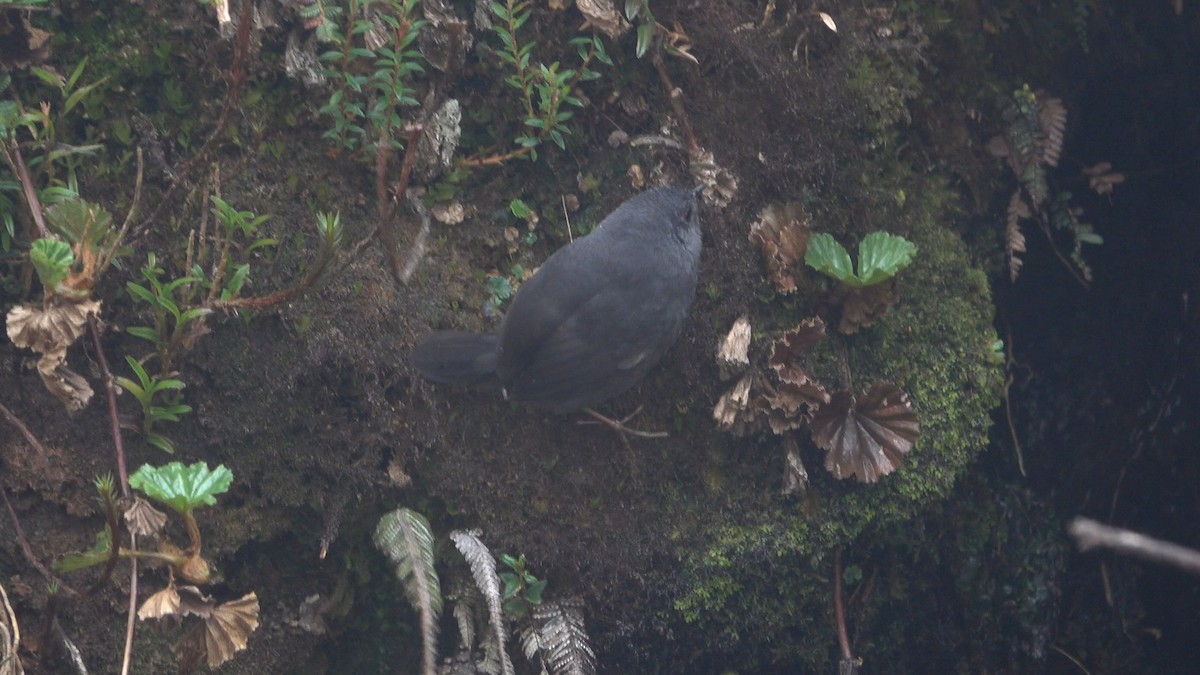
(880,257)
(371,83)
(545,91)
(522,590)
(502,287)
(155,408)
(181,488)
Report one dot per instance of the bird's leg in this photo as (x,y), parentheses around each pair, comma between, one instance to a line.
(619,425)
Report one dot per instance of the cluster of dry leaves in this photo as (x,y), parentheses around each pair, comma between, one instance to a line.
(864,436)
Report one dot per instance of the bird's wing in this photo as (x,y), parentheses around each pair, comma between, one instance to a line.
(570,349)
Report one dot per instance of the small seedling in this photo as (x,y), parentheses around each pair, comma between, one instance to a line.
(880,257)
(522,591)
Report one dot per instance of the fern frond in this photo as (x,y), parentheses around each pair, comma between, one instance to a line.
(404,537)
(1014,239)
(1052,118)
(483,569)
(464,615)
(564,641)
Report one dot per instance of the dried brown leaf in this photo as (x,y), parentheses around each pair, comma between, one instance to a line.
(740,410)
(862,306)
(603,16)
(52,328)
(868,437)
(161,604)
(143,519)
(733,355)
(67,385)
(228,628)
(24,45)
(193,601)
(792,345)
(793,405)
(782,232)
(720,185)
(795,476)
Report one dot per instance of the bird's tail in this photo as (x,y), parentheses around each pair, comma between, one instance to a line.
(457,356)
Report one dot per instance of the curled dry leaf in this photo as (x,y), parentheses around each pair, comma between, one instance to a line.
(193,601)
(741,410)
(228,628)
(451,213)
(795,476)
(49,331)
(52,328)
(720,185)
(868,437)
(25,45)
(794,404)
(603,16)
(161,604)
(794,343)
(68,386)
(143,519)
(782,232)
(863,305)
(733,354)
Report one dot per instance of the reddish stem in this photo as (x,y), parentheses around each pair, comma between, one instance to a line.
(839,611)
(113,415)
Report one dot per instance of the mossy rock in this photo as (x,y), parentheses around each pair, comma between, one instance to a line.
(760,588)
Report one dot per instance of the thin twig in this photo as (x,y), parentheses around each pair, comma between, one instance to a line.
(416,252)
(132,613)
(1070,658)
(13,154)
(1009,362)
(113,414)
(839,610)
(384,202)
(29,437)
(10,631)
(106,257)
(26,551)
(676,97)
(1090,534)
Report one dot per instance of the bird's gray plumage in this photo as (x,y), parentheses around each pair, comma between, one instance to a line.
(594,319)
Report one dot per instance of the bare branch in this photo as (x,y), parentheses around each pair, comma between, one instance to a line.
(1090,534)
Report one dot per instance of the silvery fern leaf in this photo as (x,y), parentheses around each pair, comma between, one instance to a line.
(483,569)
(464,614)
(404,537)
(565,645)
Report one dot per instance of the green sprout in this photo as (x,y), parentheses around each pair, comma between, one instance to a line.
(522,590)
(52,258)
(146,390)
(880,257)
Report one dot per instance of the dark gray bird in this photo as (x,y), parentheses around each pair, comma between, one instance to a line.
(594,319)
